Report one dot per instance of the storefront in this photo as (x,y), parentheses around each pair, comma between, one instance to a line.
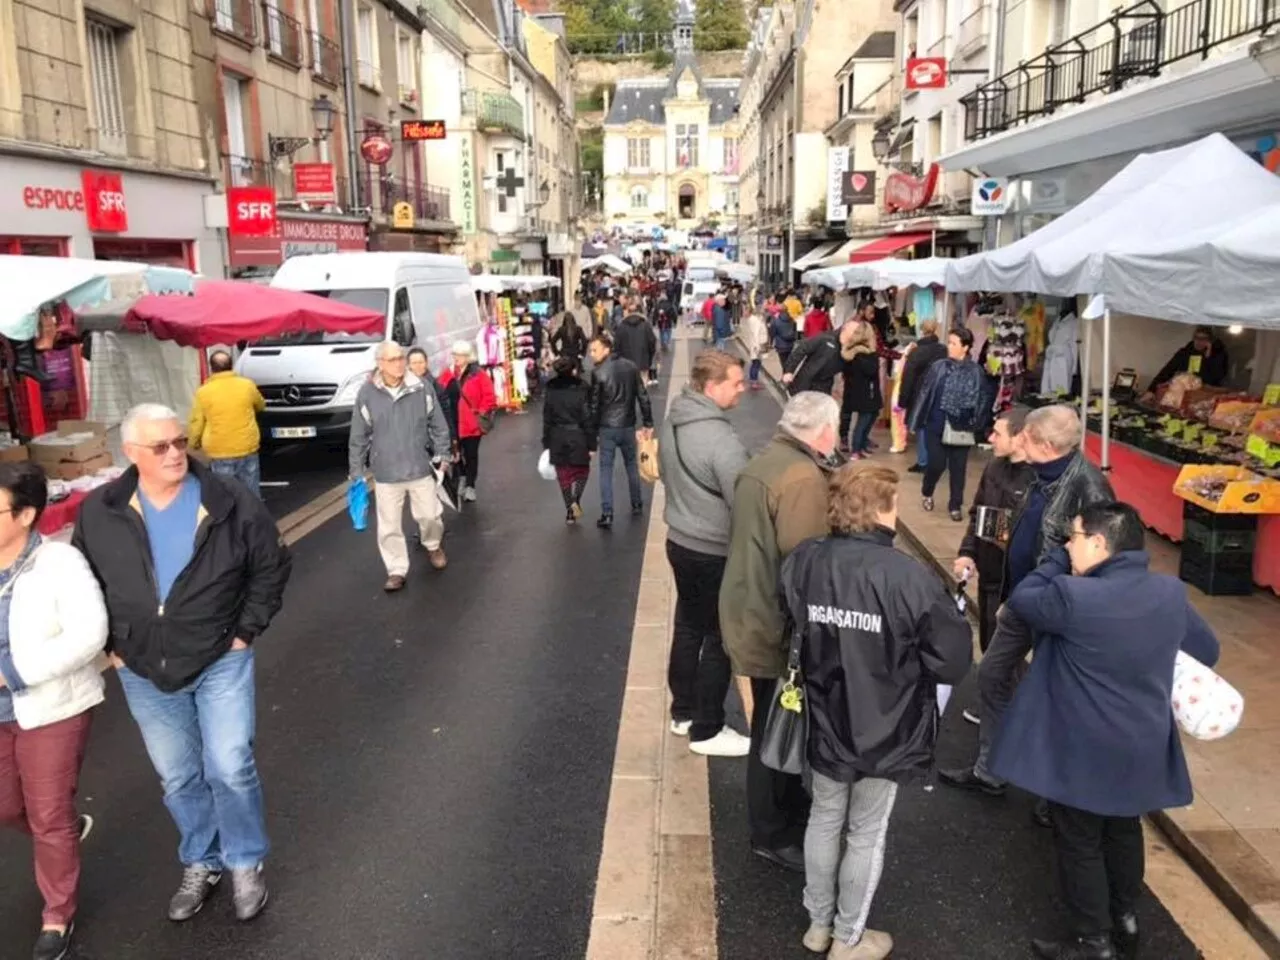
(53,208)
(295,236)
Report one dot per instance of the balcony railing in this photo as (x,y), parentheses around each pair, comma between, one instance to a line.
(326,59)
(282,35)
(248,172)
(382,191)
(1137,41)
(445,14)
(975,28)
(235,19)
(494,111)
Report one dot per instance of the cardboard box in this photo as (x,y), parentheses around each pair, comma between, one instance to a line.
(14,454)
(74,470)
(75,441)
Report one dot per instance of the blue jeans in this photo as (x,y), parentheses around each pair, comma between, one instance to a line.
(861,434)
(200,740)
(722,343)
(614,440)
(922,449)
(244,469)
(753,371)
(665,334)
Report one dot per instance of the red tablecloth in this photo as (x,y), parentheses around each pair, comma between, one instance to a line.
(1147,483)
(61,514)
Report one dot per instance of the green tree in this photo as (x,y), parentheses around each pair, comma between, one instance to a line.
(593,26)
(720,25)
(654,18)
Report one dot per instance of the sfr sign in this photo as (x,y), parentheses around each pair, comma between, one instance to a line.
(251,211)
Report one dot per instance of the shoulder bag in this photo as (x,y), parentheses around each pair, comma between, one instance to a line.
(785,743)
(483,420)
(689,473)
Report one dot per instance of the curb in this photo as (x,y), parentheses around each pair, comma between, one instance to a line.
(1214,876)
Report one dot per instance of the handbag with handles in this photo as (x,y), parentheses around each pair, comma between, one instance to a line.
(785,743)
(951,437)
(483,420)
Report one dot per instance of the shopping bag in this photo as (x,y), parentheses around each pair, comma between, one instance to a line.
(786,728)
(446,485)
(358,503)
(1205,706)
(545,470)
(647,455)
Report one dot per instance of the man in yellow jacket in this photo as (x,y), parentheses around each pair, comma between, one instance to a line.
(224,422)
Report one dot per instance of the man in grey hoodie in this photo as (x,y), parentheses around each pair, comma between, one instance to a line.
(399,432)
(700,457)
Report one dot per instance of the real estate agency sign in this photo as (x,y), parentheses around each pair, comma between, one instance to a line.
(314,183)
(295,237)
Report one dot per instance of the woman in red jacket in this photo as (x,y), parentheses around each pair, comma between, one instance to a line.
(471,395)
(817,321)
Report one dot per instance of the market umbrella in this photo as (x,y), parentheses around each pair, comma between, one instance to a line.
(30,283)
(228,311)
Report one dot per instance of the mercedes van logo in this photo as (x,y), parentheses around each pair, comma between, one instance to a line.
(293,395)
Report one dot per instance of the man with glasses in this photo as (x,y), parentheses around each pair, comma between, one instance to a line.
(398,429)
(193,570)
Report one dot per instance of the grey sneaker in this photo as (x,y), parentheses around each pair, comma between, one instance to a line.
(250,889)
(197,885)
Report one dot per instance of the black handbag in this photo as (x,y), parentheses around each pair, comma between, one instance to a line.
(784,745)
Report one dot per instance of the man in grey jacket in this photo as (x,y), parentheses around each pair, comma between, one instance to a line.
(399,432)
(700,458)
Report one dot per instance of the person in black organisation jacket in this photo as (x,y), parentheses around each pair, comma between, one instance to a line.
(568,434)
(878,634)
(193,571)
(1005,481)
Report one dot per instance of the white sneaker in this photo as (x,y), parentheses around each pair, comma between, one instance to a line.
(469,495)
(681,727)
(727,743)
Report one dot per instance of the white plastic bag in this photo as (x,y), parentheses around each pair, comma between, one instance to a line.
(1205,706)
(545,470)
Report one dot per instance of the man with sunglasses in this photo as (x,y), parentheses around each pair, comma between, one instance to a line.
(193,570)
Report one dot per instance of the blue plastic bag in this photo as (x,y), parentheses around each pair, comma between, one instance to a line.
(358,503)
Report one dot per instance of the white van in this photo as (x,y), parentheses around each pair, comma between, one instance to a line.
(309,380)
(700,282)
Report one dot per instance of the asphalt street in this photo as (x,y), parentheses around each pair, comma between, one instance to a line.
(965,877)
(436,763)
(294,475)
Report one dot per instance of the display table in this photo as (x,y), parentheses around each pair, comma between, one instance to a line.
(1146,481)
(61,514)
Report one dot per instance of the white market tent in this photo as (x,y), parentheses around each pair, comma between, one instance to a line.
(881,274)
(609,262)
(737,272)
(501,283)
(830,277)
(1228,273)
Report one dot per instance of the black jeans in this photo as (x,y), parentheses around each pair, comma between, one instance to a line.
(777,803)
(698,671)
(470,459)
(953,460)
(988,604)
(1100,866)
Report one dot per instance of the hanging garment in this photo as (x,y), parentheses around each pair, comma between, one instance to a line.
(922,304)
(1060,355)
(1032,317)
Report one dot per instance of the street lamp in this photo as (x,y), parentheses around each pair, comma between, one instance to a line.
(322,116)
(880,144)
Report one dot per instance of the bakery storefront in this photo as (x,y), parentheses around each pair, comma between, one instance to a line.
(59,209)
(295,236)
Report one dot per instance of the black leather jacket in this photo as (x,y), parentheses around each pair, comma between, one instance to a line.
(617,386)
(1081,485)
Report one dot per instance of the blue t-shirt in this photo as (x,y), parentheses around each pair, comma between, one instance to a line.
(172,533)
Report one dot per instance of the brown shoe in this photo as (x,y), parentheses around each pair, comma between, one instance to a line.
(394,582)
(437,558)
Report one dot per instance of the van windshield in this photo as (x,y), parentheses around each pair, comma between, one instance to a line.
(369,299)
(700,273)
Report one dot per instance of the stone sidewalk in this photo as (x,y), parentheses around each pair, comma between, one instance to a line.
(1231,832)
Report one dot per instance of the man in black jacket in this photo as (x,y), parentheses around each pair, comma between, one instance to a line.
(1065,484)
(193,571)
(1205,356)
(617,389)
(816,361)
(928,351)
(878,633)
(1004,483)
(635,340)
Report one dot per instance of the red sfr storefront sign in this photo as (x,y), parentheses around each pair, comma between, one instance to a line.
(100,198)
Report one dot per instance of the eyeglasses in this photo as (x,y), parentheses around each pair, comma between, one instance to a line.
(399,359)
(1076,535)
(161,448)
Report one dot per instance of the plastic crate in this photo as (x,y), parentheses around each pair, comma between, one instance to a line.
(1218,575)
(1213,541)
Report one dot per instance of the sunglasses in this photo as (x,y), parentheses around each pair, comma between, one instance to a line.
(161,448)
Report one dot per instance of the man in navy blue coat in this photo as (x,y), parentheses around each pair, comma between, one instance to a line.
(1091,727)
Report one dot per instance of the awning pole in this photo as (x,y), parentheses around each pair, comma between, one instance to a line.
(1086,356)
(946,312)
(933,242)
(1106,390)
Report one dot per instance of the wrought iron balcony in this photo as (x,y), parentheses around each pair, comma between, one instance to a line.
(1137,41)
(235,19)
(282,34)
(381,191)
(248,172)
(494,111)
(326,59)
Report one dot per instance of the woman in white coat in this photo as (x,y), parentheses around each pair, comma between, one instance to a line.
(755,337)
(53,630)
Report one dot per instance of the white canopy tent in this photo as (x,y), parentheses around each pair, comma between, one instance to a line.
(896,272)
(737,272)
(830,277)
(608,262)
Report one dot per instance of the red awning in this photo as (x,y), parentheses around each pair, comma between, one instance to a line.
(227,311)
(886,246)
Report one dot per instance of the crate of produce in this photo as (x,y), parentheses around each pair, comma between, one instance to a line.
(1234,416)
(1227,489)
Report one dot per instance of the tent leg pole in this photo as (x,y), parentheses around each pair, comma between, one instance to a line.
(933,242)
(1106,390)
(1085,363)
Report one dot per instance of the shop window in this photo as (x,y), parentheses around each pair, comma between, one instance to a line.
(161,253)
(34,246)
(105,44)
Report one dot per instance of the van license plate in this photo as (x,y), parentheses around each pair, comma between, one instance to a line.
(292,433)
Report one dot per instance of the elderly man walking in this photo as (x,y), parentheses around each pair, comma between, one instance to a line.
(779,501)
(224,422)
(193,571)
(399,431)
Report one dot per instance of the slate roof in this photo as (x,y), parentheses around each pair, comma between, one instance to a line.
(878,46)
(642,99)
